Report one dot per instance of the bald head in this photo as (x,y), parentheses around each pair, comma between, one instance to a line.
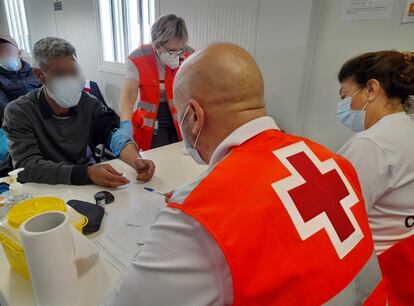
(223,75)
(217,90)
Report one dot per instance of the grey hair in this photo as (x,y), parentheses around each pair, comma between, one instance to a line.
(169,27)
(51,47)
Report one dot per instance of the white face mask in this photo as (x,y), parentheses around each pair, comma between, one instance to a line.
(66,91)
(171,60)
(191,149)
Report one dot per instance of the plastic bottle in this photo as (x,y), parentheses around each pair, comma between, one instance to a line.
(15,194)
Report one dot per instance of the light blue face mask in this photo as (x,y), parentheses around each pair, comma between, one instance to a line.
(353,119)
(191,149)
(10,63)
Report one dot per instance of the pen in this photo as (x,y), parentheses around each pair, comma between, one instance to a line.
(153,190)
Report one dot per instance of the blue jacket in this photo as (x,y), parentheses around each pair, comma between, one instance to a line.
(15,84)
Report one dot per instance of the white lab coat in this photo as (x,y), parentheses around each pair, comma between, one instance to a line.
(383,157)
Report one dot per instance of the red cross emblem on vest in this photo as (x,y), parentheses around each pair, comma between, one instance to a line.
(318,196)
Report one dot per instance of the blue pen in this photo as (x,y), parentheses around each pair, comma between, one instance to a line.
(153,190)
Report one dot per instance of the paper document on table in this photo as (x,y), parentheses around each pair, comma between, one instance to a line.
(145,210)
(120,246)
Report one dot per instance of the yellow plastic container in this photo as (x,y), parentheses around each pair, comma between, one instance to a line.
(9,229)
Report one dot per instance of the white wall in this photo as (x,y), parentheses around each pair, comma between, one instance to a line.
(277,32)
(338,41)
(283,52)
(217,20)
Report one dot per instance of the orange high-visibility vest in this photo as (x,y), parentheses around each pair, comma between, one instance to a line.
(144,117)
(397,266)
(290,220)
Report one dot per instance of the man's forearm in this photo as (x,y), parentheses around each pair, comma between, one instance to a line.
(130,154)
(145,168)
(45,171)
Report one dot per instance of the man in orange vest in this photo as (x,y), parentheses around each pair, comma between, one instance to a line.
(150,72)
(275,220)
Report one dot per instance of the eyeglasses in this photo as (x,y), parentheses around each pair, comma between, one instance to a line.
(172,53)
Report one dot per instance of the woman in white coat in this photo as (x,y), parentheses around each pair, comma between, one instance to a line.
(377,90)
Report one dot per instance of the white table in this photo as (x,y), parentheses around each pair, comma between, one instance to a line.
(172,170)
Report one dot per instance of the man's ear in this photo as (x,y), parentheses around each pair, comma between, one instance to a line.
(19,53)
(39,75)
(197,116)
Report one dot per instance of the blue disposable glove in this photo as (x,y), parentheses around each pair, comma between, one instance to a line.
(121,137)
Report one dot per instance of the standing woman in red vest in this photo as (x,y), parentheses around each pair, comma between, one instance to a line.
(150,72)
(377,91)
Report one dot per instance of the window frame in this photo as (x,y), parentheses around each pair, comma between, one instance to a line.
(25,53)
(109,66)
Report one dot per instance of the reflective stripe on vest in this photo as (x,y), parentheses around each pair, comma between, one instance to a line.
(361,287)
(147,106)
(142,51)
(148,122)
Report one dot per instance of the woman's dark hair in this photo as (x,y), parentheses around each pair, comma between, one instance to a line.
(393,70)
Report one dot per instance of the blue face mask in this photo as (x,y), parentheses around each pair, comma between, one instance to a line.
(10,63)
(191,149)
(353,119)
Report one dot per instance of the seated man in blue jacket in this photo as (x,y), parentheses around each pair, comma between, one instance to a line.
(16,76)
(16,79)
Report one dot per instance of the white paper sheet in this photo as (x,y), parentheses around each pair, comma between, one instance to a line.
(367,9)
(121,246)
(84,248)
(144,212)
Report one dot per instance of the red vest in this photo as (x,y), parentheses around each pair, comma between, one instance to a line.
(397,266)
(289,218)
(144,118)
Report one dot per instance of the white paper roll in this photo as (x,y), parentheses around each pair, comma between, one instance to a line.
(49,249)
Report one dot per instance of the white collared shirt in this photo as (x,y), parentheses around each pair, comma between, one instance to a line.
(180,264)
(383,157)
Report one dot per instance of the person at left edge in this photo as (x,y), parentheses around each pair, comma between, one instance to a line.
(16,75)
(16,79)
(151,69)
(52,130)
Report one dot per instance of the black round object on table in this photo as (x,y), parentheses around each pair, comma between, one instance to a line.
(106,195)
(100,199)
